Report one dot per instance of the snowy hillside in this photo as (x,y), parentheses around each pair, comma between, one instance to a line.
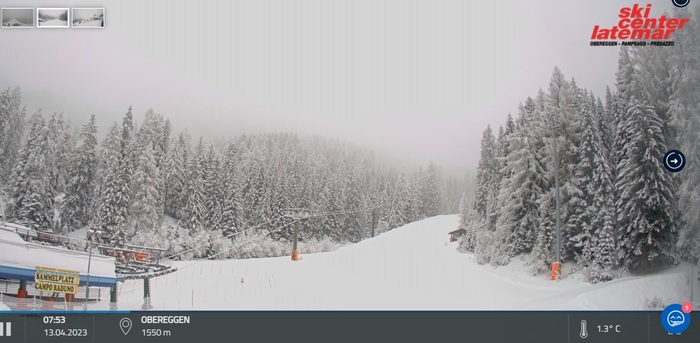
(407,268)
(14,22)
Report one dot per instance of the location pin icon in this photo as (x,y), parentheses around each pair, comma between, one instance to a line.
(125,325)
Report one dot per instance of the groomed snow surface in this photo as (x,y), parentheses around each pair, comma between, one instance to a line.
(54,23)
(409,268)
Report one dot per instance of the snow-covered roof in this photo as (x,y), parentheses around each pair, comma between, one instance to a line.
(19,260)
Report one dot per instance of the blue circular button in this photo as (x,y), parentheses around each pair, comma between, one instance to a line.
(674,320)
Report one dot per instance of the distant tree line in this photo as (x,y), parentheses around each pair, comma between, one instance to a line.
(147,186)
(62,16)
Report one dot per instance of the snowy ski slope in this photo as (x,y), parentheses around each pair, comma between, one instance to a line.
(408,268)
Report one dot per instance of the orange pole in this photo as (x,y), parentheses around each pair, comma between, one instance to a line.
(555,270)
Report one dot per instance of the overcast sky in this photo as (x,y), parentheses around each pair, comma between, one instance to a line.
(51,12)
(86,13)
(417,79)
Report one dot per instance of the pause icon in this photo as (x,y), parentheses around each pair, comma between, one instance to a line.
(5,329)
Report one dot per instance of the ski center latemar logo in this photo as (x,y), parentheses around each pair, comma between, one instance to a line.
(637,26)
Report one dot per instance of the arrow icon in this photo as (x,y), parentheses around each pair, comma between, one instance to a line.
(674,161)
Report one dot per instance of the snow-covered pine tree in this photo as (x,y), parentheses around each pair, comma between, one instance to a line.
(383,188)
(387,195)
(518,209)
(117,165)
(617,112)
(151,133)
(401,208)
(163,146)
(469,221)
(128,155)
(108,154)
(587,152)
(143,209)
(5,115)
(12,123)
(327,203)
(356,200)
(415,187)
(175,176)
(647,207)
(500,147)
(605,124)
(61,145)
(684,107)
(338,185)
(232,212)
(80,187)
(213,191)
(108,161)
(604,252)
(31,198)
(652,81)
(464,213)
(257,201)
(504,146)
(280,188)
(544,252)
(487,174)
(112,211)
(119,189)
(509,130)
(653,78)
(308,195)
(195,208)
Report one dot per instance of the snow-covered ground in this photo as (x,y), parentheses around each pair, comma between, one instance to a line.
(409,268)
(15,23)
(92,23)
(54,23)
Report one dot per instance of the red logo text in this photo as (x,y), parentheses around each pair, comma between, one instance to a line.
(635,23)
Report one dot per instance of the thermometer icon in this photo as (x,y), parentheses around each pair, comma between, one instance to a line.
(584,332)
